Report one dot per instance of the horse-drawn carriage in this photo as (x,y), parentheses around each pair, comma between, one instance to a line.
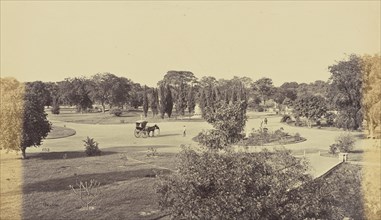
(142,130)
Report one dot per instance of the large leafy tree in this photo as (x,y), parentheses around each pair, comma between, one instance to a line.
(11,113)
(35,125)
(286,90)
(264,87)
(371,91)
(55,95)
(75,91)
(179,83)
(310,106)
(42,90)
(345,91)
(107,88)
(174,78)
(230,119)
(136,95)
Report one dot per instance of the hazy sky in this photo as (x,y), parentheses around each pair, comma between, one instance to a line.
(286,41)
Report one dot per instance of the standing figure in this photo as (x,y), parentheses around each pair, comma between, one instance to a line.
(265,121)
(184,131)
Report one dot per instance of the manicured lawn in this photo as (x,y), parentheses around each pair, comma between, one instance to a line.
(352,156)
(69,115)
(127,184)
(60,132)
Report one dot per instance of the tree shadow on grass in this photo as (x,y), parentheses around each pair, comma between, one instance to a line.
(132,148)
(55,185)
(356,151)
(166,135)
(361,136)
(61,155)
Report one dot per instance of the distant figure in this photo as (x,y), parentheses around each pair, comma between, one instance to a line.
(265,121)
(184,131)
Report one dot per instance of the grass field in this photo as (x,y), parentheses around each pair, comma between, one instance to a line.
(131,116)
(127,184)
(60,132)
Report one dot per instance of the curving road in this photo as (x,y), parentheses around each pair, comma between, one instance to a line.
(170,138)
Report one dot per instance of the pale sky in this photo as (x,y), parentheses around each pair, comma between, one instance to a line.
(285,41)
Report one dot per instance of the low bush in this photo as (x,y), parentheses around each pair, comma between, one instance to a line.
(213,139)
(285,118)
(297,137)
(116,111)
(86,192)
(333,148)
(264,136)
(92,148)
(55,110)
(345,142)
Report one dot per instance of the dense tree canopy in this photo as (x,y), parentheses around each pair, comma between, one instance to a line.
(371,91)
(106,88)
(75,91)
(35,125)
(264,87)
(345,91)
(11,113)
(310,106)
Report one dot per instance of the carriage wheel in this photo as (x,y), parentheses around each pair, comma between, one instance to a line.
(137,133)
(144,134)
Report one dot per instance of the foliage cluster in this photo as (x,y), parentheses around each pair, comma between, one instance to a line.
(233,185)
(264,136)
(344,143)
(312,107)
(116,112)
(91,147)
(345,92)
(228,119)
(86,192)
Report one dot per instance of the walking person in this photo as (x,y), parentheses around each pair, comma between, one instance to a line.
(265,121)
(184,131)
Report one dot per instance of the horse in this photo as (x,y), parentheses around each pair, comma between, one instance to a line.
(152,129)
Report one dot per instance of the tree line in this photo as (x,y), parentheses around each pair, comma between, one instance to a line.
(349,92)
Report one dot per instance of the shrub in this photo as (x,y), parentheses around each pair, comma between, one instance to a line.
(228,119)
(233,185)
(285,118)
(345,142)
(152,152)
(264,136)
(297,136)
(55,110)
(116,111)
(92,148)
(213,139)
(333,148)
(86,192)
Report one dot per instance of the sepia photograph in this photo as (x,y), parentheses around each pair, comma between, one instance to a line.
(158,110)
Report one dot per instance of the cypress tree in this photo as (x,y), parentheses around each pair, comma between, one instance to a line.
(145,101)
(169,101)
